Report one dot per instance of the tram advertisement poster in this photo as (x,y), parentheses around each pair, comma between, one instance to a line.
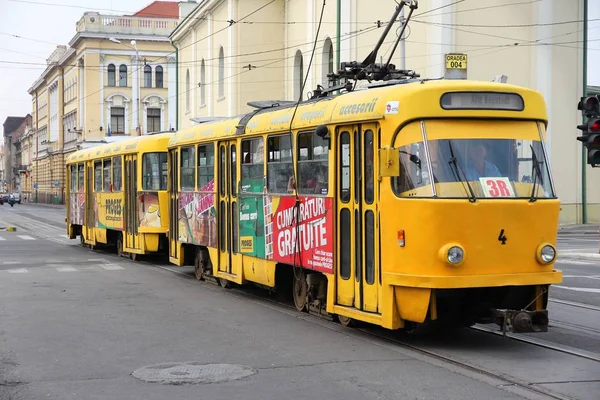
(274,228)
(77,208)
(110,211)
(149,210)
(197,217)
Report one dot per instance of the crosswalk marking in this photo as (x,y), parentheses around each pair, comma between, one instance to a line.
(66,269)
(1,238)
(111,267)
(25,237)
(10,262)
(18,271)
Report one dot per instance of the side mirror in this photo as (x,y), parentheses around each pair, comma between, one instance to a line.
(323,132)
(389,162)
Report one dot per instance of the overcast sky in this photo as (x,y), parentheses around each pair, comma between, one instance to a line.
(52,22)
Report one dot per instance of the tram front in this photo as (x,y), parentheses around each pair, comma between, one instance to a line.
(474,241)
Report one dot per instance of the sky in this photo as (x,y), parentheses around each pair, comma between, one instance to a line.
(43,24)
(48,23)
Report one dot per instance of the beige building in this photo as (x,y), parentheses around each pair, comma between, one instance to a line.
(265,53)
(111,80)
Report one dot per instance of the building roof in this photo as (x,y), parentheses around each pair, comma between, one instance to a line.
(12,123)
(160,9)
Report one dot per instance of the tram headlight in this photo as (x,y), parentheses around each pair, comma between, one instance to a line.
(453,254)
(546,253)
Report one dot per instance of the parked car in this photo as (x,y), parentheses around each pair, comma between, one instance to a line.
(4,198)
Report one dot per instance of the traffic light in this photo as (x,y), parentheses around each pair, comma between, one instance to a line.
(590,106)
(591,129)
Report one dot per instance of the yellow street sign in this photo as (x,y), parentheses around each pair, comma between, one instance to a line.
(456,61)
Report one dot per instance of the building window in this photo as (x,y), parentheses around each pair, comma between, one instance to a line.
(187,91)
(117,120)
(159,77)
(153,120)
(202,83)
(147,76)
(298,75)
(111,75)
(123,75)
(221,73)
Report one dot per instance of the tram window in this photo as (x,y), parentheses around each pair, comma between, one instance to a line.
(413,170)
(107,187)
(253,165)
(313,164)
(98,176)
(222,169)
(345,248)
(279,164)
(345,167)
(370,247)
(234,227)
(81,177)
(154,171)
(369,167)
(206,166)
(188,167)
(233,171)
(73,185)
(117,175)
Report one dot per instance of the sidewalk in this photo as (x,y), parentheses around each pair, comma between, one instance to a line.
(45,205)
(579,229)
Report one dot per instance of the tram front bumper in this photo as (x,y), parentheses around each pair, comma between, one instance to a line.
(471,281)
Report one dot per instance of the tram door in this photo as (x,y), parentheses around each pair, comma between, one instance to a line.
(230,260)
(90,199)
(358,282)
(173,206)
(131,203)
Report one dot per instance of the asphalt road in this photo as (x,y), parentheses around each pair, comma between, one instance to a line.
(78,324)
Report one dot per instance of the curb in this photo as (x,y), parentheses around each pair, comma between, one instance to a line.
(570,232)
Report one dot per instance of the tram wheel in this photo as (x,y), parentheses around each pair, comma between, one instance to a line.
(299,290)
(224,283)
(134,256)
(346,322)
(198,260)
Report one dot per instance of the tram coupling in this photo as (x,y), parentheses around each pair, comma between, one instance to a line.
(521,321)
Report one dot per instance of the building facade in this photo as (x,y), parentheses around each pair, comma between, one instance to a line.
(14,129)
(113,79)
(231,52)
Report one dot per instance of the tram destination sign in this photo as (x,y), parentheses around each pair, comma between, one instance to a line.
(482,101)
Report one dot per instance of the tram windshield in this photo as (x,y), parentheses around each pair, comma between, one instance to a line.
(474,168)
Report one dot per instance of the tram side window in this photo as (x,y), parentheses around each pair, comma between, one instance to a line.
(279,164)
(188,168)
(253,165)
(413,170)
(107,185)
(206,166)
(98,176)
(117,175)
(154,171)
(313,164)
(73,178)
(81,177)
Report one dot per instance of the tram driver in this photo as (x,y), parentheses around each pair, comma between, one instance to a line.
(477,164)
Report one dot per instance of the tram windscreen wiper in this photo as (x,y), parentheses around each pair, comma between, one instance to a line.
(535,166)
(457,172)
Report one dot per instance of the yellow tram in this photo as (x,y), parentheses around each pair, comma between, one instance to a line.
(396,205)
(117,194)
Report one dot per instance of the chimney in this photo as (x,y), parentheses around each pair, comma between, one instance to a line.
(186,7)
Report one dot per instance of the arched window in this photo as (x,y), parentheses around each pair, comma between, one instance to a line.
(221,73)
(111,75)
(298,75)
(147,76)
(327,61)
(123,75)
(187,91)
(202,83)
(159,77)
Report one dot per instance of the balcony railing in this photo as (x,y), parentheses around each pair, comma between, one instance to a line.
(112,24)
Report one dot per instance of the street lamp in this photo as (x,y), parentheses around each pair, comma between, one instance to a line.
(137,59)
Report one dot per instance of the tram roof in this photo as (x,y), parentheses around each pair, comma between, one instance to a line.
(368,105)
(135,144)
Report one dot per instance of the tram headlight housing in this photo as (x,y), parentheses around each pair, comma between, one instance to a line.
(546,254)
(453,254)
